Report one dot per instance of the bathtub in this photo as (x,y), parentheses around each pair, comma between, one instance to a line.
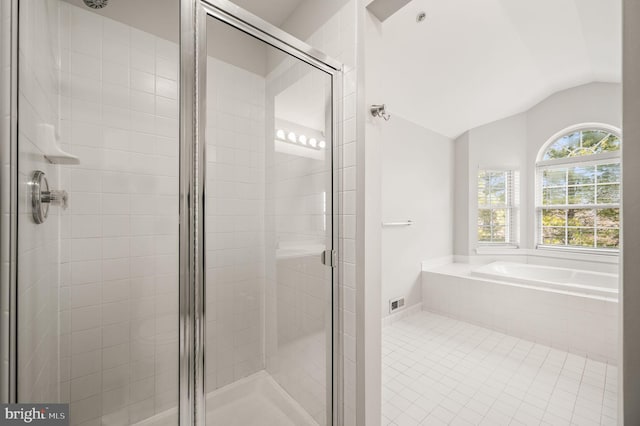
(588,283)
(569,309)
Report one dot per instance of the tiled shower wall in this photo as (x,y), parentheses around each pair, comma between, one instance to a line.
(235,137)
(5,181)
(337,38)
(298,287)
(38,267)
(119,252)
(301,185)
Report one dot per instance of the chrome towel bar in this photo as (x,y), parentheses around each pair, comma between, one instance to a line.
(407,223)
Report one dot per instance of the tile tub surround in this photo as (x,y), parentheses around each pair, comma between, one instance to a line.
(439,371)
(586,326)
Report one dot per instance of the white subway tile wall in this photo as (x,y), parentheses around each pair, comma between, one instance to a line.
(38,266)
(337,38)
(5,172)
(235,223)
(119,251)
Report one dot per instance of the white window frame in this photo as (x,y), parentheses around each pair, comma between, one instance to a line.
(612,157)
(512,196)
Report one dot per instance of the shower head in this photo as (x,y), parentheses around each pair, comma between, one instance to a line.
(96,4)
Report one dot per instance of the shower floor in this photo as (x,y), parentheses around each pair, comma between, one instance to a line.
(256,400)
(440,371)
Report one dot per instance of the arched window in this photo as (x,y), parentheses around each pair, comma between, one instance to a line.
(578,189)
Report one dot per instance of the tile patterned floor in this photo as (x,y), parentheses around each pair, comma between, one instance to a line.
(440,371)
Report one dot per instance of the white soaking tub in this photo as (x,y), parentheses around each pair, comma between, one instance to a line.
(571,309)
(547,277)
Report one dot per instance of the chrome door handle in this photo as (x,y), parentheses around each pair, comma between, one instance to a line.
(328,258)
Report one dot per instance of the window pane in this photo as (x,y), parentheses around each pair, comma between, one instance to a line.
(608,238)
(498,195)
(582,175)
(581,194)
(563,147)
(497,179)
(554,196)
(484,217)
(584,237)
(581,217)
(499,217)
(499,233)
(554,177)
(554,217)
(592,141)
(553,236)
(610,143)
(484,233)
(608,173)
(498,187)
(609,194)
(583,143)
(608,218)
(483,188)
(483,197)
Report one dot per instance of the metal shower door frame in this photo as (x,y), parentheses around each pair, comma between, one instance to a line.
(193,54)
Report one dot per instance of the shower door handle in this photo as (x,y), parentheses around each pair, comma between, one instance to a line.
(329,258)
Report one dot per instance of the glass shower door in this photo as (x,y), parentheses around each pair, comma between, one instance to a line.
(269,335)
(98,166)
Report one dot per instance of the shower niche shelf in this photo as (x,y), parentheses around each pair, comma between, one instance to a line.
(48,142)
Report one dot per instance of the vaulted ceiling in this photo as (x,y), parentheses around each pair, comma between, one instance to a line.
(476,61)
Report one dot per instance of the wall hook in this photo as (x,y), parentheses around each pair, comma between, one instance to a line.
(380,111)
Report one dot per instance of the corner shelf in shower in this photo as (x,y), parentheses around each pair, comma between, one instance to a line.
(48,143)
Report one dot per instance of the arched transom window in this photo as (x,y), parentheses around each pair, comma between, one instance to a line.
(578,190)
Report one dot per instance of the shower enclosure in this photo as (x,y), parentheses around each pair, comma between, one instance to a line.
(169,244)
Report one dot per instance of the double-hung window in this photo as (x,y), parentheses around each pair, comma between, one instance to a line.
(578,190)
(497,208)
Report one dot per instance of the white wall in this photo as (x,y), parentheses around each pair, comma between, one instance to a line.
(514,142)
(417,184)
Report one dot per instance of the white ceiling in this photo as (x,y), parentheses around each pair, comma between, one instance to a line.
(272,11)
(305,101)
(476,61)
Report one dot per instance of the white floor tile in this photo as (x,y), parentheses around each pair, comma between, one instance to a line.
(437,370)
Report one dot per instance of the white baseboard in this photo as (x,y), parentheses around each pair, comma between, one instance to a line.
(410,310)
